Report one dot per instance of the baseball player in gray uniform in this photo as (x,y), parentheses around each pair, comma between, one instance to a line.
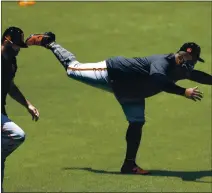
(132,80)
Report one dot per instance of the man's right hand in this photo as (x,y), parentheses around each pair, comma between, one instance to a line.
(194,94)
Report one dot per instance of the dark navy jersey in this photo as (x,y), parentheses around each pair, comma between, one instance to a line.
(8,71)
(136,78)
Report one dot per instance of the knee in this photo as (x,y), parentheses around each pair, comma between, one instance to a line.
(13,132)
(136,125)
(71,66)
(19,136)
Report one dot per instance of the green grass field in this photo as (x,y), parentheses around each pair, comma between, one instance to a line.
(79,142)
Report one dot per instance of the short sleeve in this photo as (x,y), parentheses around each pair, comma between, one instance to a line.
(160,67)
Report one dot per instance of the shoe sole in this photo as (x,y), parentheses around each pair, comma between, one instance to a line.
(133,173)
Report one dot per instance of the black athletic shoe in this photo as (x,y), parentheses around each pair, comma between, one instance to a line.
(133,169)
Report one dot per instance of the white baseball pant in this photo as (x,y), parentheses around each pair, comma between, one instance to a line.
(94,74)
(12,136)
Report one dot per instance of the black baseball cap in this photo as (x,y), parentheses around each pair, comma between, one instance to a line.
(14,35)
(193,49)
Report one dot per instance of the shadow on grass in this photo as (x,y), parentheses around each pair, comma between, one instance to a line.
(185,176)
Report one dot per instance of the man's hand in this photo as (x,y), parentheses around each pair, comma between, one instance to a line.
(194,94)
(33,111)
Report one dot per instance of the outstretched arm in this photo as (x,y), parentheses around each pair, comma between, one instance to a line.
(158,73)
(168,86)
(201,77)
(17,95)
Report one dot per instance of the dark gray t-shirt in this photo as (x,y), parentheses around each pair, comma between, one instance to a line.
(144,77)
(145,66)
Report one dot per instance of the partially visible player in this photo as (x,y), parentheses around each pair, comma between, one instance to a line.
(12,136)
(132,80)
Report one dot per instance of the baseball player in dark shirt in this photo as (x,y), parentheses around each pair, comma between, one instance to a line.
(12,136)
(132,80)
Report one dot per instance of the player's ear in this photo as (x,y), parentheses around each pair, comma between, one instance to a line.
(179,58)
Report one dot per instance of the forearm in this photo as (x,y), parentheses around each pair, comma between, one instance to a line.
(168,86)
(17,95)
(201,77)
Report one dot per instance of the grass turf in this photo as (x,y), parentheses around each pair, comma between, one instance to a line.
(78,144)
